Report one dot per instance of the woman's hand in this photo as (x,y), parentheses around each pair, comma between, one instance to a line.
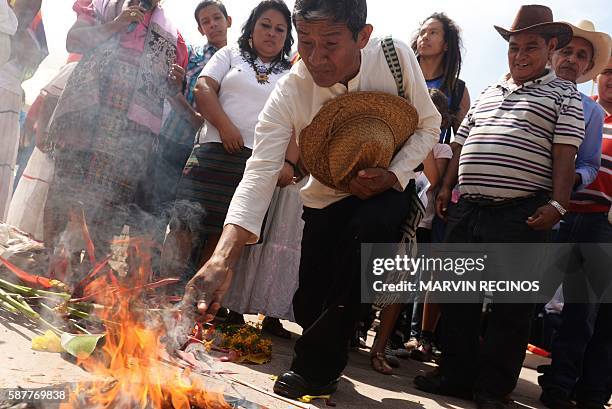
(286,176)
(132,14)
(176,76)
(231,138)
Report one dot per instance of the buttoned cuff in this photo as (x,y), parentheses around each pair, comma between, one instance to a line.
(585,177)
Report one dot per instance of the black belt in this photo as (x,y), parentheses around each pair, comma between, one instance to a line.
(486,202)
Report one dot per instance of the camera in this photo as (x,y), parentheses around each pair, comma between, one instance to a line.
(146,4)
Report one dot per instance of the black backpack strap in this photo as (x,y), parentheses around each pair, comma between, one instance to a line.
(394,64)
(417,210)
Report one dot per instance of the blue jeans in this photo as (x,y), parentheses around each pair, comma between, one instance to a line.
(582,350)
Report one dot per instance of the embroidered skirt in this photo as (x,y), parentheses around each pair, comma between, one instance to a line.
(210,179)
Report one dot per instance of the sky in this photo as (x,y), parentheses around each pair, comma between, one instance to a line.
(484,51)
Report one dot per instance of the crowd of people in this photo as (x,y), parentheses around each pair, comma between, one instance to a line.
(239,160)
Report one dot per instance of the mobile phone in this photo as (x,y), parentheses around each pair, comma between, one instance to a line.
(146,4)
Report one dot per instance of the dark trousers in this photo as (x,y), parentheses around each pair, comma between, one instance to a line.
(582,350)
(327,302)
(493,367)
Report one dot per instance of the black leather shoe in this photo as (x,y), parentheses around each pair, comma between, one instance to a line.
(439,385)
(486,401)
(589,405)
(293,385)
(556,399)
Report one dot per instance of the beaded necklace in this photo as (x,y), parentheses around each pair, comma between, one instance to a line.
(262,74)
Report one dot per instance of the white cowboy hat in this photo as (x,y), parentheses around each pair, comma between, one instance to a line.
(602,46)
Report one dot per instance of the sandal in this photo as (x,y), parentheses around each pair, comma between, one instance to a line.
(380,364)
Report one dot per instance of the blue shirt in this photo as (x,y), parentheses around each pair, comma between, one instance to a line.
(588,158)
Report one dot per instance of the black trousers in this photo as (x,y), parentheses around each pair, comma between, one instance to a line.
(327,302)
(582,350)
(493,367)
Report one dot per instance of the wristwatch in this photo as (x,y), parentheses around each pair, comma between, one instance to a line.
(557,206)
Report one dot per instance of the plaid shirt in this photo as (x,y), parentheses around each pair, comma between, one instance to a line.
(198,58)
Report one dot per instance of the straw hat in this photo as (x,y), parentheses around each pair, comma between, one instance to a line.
(602,47)
(537,19)
(355,131)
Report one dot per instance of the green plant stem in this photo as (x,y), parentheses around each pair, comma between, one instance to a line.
(31,292)
(8,307)
(23,307)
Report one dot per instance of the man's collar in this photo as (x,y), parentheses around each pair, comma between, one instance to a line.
(507,82)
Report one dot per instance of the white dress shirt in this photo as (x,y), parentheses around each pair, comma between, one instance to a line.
(292,106)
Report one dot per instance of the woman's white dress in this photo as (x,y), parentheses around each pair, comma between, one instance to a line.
(266,276)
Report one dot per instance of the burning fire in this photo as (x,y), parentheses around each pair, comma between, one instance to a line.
(133,373)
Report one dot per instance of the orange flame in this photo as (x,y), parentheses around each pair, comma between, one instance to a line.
(131,373)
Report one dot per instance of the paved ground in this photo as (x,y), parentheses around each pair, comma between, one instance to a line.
(360,387)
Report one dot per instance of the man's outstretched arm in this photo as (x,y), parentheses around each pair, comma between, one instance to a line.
(206,289)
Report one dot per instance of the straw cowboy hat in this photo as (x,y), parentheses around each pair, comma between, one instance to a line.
(355,131)
(537,19)
(602,47)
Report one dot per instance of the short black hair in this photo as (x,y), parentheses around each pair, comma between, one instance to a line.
(206,3)
(352,12)
(249,26)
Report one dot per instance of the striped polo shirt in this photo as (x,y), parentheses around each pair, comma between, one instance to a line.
(508,134)
(597,197)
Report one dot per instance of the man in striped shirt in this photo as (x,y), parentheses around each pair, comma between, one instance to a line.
(514,158)
(581,352)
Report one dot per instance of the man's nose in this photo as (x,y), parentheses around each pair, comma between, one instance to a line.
(520,54)
(317,56)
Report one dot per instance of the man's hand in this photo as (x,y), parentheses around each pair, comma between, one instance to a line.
(371,182)
(207,288)
(286,176)
(544,218)
(231,138)
(442,200)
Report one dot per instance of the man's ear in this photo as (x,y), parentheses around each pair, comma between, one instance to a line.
(200,30)
(552,46)
(364,35)
(591,64)
(229,21)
